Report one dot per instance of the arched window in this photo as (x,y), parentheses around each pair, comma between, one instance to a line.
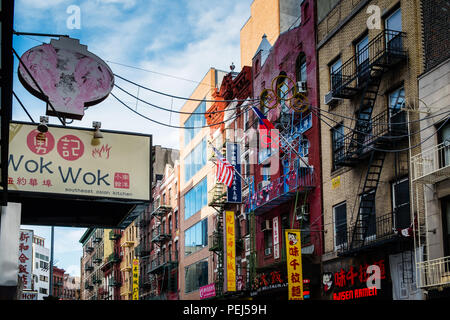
(300,67)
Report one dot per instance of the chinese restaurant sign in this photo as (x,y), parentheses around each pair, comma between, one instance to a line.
(231,250)
(135,279)
(64,162)
(274,280)
(70,76)
(294,264)
(26,257)
(354,282)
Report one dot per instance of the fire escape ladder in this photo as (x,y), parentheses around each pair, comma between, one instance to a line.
(363,124)
(366,210)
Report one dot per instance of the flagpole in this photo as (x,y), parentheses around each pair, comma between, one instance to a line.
(234,169)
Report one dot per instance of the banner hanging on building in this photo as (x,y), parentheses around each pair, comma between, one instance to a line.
(234,193)
(26,258)
(135,279)
(230,251)
(294,264)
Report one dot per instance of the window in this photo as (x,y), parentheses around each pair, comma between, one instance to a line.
(304,147)
(195,199)
(340,225)
(337,140)
(401,204)
(196,237)
(336,74)
(393,25)
(397,118)
(195,120)
(300,68)
(268,243)
(196,276)
(368,213)
(362,58)
(195,160)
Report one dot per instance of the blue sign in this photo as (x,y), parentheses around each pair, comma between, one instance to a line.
(305,123)
(234,193)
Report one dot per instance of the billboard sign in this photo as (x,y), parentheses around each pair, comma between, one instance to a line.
(26,258)
(63,162)
(29,295)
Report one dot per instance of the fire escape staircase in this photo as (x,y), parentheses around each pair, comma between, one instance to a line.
(366,210)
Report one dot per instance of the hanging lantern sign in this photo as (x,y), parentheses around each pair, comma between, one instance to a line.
(67,75)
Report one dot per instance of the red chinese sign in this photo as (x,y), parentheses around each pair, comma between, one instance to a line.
(70,147)
(355,275)
(40,143)
(25,257)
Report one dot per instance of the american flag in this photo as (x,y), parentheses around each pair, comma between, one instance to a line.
(224,173)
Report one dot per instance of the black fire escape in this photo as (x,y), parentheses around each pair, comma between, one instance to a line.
(360,78)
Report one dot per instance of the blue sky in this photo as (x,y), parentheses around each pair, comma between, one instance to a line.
(165,40)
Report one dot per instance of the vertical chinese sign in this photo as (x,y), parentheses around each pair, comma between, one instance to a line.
(294,264)
(276,238)
(135,279)
(25,257)
(230,250)
(234,193)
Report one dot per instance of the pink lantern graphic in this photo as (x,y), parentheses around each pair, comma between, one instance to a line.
(70,76)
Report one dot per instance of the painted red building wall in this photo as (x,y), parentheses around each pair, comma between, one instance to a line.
(283,58)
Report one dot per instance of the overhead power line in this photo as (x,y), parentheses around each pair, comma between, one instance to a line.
(178,97)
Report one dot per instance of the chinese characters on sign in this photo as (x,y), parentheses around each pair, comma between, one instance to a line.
(231,251)
(64,162)
(135,279)
(357,275)
(276,239)
(294,264)
(25,257)
(234,193)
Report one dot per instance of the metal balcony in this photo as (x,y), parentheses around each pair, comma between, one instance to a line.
(142,250)
(432,165)
(128,243)
(433,273)
(114,282)
(381,230)
(159,235)
(114,235)
(380,54)
(161,210)
(382,131)
(88,268)
(160,260)
(217,195)
(114,258)
(281,190)
(215,241)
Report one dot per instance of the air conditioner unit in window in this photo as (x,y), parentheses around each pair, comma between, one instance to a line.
(266,225)
(302,87)
(302,213)
(329,98)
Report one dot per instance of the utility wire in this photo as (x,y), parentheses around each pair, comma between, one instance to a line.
(175,111)
(178,97)
(172,126)
(23,107)
(395,150)
(386,124)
